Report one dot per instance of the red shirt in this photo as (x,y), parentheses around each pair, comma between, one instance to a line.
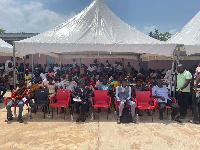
(16,96)
(51,74)
(74,70)
(92,83)
(29,69)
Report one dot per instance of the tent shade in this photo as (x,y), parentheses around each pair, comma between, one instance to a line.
(189,35)
(94,29)
(5,48)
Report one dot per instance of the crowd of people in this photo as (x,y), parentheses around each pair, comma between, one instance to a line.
(120,81)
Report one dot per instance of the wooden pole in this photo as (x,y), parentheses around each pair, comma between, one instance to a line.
(123,63)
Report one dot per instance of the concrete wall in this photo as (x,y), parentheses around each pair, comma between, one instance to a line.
(165,64)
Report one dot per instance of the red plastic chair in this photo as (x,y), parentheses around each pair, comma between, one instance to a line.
(150,89)
(143,101)
(117,104)
(63,100)
(15,106)
(100,99)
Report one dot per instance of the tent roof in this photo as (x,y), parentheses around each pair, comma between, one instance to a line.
(189,35)
(95,29)
(5,48)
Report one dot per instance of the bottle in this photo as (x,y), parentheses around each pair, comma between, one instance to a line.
(170,118)
(137,118)
(48,116)
(197,94)
(92,116)
(115,114)
(72,118)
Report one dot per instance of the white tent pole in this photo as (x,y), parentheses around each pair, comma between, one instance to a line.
(178,54)
(32,63)
(172,70)
(177,62)
(175,70)
(14,65)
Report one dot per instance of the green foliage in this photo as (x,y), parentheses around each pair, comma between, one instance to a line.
(2,31)
(160,36)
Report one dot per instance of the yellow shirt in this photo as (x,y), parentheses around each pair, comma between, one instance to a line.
(27,79)
(115,83)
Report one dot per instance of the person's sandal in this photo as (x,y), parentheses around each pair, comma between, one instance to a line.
(8,119)
(194,122)
(178,120)
(83,119)
(77,120)
(20,121)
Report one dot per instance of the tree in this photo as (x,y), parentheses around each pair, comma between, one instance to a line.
(2,31)
(160,36)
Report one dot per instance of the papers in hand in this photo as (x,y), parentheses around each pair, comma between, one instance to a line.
(24,99)
(77,100)
(124,100)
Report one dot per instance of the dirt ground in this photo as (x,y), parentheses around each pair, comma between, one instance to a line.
(98,134)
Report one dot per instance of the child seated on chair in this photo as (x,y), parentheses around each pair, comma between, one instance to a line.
(123,95)
(52,87)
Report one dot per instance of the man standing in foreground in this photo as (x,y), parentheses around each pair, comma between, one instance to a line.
(183,89)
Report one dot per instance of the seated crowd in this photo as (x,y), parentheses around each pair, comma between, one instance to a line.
(120,83)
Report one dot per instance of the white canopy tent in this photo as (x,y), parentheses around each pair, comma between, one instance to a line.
(5,48)
(94,31)
(189,36)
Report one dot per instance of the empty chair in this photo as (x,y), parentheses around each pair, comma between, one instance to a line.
(143,101)
(41,99)
(62,99)
(100,99)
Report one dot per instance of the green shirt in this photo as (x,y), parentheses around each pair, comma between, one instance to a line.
(181,78)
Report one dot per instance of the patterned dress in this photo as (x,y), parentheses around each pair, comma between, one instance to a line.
(52,89)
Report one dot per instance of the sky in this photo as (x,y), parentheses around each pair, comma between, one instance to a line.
(36,16)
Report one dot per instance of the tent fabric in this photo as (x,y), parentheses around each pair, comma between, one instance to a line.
(5,48)
(96,29)
(189,35)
